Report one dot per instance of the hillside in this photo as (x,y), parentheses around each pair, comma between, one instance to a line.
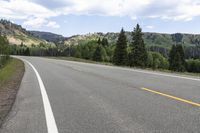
(48,36)
(17,35)
(151,39)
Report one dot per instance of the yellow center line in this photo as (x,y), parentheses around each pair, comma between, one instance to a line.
(172,97)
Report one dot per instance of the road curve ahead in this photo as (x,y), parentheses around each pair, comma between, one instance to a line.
(72,97)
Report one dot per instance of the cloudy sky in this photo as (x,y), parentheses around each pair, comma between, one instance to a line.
(69,17)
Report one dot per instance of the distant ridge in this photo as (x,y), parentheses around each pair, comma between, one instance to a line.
(17,35)
(48,36)
(150,39)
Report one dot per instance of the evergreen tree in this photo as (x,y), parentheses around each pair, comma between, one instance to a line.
(177,58)
(22,44)
(138,56)
(120,53)
(150,60)
(99,41)
(104,42)
(99,54)
(182,54)
(27,52)
(177,38)
(85,52)
(77,52)
(4,50)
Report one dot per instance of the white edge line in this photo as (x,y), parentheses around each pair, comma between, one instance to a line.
(50,120)
(138,71)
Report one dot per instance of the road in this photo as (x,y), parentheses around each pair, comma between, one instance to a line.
(90,98)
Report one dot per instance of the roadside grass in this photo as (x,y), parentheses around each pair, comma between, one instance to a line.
(10,79)
(110,64)
(9,69)
(177,73)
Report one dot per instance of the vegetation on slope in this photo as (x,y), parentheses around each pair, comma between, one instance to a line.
(136,49)
(11,73)
(50,37)
(151,39)
(157,42)
(17,35)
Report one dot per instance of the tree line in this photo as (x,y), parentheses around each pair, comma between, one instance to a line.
(138,56)
(4,50)
(134,54)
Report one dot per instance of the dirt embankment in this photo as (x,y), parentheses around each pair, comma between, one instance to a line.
(10,80)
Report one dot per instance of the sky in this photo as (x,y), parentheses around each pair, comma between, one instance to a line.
(71,17)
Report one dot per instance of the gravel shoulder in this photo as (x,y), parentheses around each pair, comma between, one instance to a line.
(10,79)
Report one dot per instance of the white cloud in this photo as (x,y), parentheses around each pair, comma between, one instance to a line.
(34,14)
(166,9)
(24,9)
(35,22)
(106,7)
(53,24)
(40,22)
(149,27)
(177,10)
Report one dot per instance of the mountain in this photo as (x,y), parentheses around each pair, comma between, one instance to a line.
(48,36)
(17,35)
(151,39)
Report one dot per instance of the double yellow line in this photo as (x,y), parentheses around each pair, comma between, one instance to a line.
(172,97)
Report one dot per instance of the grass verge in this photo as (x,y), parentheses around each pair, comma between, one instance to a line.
(10,78)
(110,64)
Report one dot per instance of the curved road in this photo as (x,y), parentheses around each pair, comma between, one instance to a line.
(90,98)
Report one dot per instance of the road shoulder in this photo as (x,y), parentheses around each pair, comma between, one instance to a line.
(11,76)
(27,113)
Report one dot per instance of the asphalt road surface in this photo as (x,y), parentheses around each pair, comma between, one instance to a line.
(89,98)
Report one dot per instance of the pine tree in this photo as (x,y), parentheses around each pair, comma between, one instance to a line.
(99,41)
(104,42)
(99,54)
(171,57)
(77,53)
(120,53)
(85,52)
(27,52)
(177,58)
(182,54)
(138,56)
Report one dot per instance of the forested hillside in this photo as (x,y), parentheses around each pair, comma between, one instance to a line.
(18,35)
(158,42)
(151,39)
(177,52)
(48,36)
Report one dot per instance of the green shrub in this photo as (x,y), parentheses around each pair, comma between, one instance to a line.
(193,65)
(156,61)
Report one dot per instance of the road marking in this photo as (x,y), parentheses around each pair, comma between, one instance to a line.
(50,120)
(172,97)
(166,75)
(135,70)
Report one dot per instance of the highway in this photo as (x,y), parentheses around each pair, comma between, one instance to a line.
(74,97)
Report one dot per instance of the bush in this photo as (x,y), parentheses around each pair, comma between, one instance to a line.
(193,65)
(157,61)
